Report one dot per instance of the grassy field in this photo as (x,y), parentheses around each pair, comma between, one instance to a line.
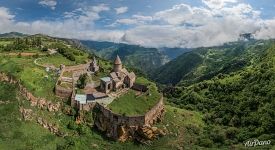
(17,134)
(127,103)
(183,126)
(34,78)
(55,60)
(4,43)
(30,135)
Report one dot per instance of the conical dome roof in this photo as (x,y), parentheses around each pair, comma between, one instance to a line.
(117,61)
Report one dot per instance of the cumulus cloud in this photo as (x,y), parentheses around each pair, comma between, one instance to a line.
(77,24)
(48,3)
(135,20)
(187,26)
(100,8)
(218,4)
(121,10)
(180,26)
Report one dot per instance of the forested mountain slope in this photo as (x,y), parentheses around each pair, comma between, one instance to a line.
(144,59)
(238,103)
(205,63)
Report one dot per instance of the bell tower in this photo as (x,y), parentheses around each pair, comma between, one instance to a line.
(117,64)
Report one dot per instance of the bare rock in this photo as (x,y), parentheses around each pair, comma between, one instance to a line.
(26,113)
(42,103)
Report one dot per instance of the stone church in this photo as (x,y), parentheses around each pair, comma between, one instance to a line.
(119,78)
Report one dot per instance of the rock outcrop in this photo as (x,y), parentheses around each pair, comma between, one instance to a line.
(149,133)
(27,114)
(51,127)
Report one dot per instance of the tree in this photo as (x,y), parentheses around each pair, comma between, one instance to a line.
(81,83)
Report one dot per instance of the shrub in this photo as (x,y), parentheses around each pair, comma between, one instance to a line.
(72,125)
(205,142)
(82,129)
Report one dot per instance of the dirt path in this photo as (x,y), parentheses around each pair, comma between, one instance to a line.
(44,65)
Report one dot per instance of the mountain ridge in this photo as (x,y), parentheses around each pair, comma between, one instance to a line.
(205,63)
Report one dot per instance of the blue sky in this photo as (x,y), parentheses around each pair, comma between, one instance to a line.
(151,23)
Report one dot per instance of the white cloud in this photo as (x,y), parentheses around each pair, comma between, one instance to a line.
(76,24)
(100,8)
(121,10)
(48,3)
(134,20)
(6,19)
(127,21)
(218,4)
(180,26)
(183,13)
(5,14)
(187,26)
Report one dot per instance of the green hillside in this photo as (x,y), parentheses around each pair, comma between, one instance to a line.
(24,59)
(234,91)
(205,63)
(12,35)
(144,59)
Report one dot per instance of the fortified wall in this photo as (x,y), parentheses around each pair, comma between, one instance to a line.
(62,92)
(117,126)
(35,101)
(65,92)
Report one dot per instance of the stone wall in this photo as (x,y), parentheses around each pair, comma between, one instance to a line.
(78,69)
(41,103)
(6,78)
(139,87)
(66,79)
(60,91)
(111,123)
(35,101)
(63,92)
(155,114)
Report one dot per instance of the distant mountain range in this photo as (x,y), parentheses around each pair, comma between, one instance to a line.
(145,59)
(204,63)
(12,35)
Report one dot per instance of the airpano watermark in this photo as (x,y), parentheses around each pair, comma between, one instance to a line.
(256,142)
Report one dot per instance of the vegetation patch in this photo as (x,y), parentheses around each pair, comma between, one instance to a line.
(26,134)
(127,104)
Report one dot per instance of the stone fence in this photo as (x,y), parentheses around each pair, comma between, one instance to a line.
(155,114)
(62,92)
(40,102)
(109,122)
(67,79)
(65,92)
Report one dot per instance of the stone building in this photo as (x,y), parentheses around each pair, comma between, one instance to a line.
(119,78)
(93,66)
